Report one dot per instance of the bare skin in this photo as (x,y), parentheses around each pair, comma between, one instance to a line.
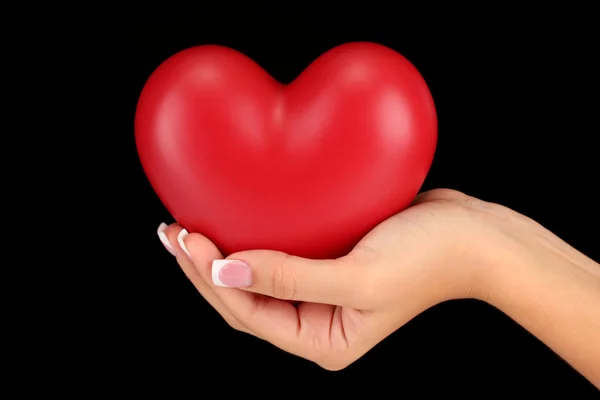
(446,246)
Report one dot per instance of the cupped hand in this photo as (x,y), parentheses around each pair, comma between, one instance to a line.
(334,311)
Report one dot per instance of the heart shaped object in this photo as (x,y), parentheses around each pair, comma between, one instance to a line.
(307,168)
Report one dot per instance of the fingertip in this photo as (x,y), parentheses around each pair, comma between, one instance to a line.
(171,233)
(162,232)
(181,241)
(231,273)
(162,228)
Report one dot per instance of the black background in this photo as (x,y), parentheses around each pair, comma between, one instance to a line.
(515,96)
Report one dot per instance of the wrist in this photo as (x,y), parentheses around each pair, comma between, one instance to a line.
(477,253)
(552,291)
(517,260)
(504,249)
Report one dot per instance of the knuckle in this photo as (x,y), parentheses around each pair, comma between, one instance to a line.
(283,281)
(476,203)
(443,192)
(440,194)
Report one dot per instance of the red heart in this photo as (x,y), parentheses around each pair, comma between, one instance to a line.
(306,168)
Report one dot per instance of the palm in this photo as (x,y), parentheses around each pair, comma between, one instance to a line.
(391,259)
(329,328)
(335,328)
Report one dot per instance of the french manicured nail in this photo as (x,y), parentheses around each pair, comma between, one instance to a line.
(163,237)
(231,273)
(180,238)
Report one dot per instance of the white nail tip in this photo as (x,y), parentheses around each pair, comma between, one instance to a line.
(163,237)
(180,238)
(217,265)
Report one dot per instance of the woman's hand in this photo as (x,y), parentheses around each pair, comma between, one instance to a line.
(445,246)
(412,261)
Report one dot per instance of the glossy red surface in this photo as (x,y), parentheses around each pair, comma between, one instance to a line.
(306,168)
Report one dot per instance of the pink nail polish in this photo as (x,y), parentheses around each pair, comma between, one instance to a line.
(231,273)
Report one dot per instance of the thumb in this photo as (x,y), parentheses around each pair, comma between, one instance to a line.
(287,277)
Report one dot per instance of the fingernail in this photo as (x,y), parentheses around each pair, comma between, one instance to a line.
(180,238)
(163,237)
(231,273)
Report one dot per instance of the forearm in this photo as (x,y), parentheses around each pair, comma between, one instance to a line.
(555,295)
